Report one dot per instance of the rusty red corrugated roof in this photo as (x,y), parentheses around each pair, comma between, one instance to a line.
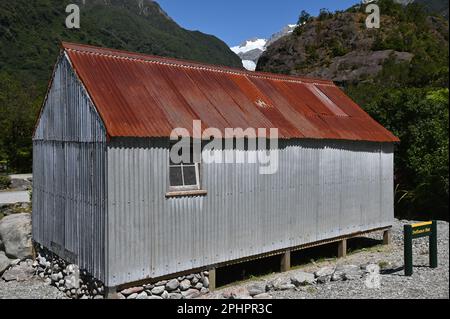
(139,95)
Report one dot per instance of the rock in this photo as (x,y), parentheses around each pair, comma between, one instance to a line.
(323,275)
(132,296)
(280,284)
(372,268)
(346,272)
(142,295)
(132,290)
(205,282)
(352,272)
(4,262)
(263,296)
(190,293)
(56,277)
(256,289)
(161,283)
(158,290)
(172,285)
(324,271)
(165,295)
(194,281)
(154,297)
(1,244)
(22,272)
(175,295)
(227,295)
(148,287)
(99,297)
(323,279)
(199,286)
(302,279)
(15,261)
(15,232)
(204,290)
(185,285)
(189,277)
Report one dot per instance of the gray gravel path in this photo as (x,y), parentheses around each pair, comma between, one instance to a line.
(31,289)
(12,197)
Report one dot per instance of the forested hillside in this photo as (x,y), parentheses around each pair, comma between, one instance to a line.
(30,34)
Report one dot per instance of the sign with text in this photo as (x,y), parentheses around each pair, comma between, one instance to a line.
(416,231)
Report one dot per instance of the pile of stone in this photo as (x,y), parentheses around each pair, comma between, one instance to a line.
(68,278)
(184,287)
(300,280)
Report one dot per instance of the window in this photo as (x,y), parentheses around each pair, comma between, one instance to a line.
(184,173)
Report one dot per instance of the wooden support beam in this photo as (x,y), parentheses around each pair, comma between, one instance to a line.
(342,248)
(387,237)
(286,261)
(212,279)
(111,293)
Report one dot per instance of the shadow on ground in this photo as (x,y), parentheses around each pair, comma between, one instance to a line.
(264,266)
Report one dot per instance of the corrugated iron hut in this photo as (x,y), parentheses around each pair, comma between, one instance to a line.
(106,196)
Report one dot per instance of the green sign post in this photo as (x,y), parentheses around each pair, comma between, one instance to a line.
(416,231)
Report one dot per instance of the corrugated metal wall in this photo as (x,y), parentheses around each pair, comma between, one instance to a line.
(323,189)
(69,158)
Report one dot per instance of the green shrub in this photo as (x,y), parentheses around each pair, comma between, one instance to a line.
(5,181)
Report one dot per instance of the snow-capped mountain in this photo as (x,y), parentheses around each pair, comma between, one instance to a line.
(250,50)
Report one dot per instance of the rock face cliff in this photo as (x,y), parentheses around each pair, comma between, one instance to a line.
(341,48)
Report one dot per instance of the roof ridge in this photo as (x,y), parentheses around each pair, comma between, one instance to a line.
(189,64)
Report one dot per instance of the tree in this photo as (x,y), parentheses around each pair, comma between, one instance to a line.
(304,18)
(420,118)
(17,117)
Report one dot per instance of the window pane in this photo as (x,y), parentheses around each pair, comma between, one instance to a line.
(190,178)
(175,176)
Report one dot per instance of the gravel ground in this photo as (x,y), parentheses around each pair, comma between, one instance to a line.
(426,283)
(31,289)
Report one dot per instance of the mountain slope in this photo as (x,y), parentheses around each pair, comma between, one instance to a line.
(30,33)
(250,50)
(339,47)
(439,7)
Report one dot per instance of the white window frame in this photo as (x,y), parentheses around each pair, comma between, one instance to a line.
(184,187)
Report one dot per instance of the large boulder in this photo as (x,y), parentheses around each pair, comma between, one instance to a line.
(4,262)
(15,232)
(302,278)
(21,272)
(256,289)
(347,272)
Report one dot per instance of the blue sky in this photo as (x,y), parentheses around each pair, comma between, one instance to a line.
(234,21)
